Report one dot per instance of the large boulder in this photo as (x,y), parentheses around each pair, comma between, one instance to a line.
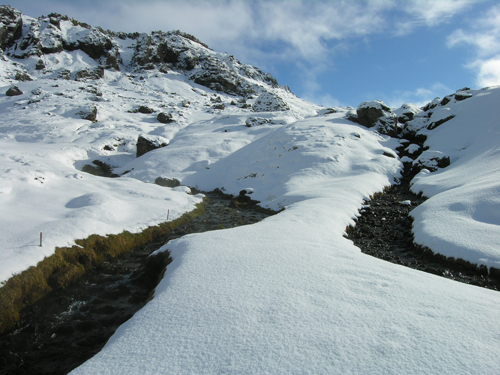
(146,143)
(268,102)
(378,115)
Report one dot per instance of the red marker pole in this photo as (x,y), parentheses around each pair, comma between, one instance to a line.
(41,239)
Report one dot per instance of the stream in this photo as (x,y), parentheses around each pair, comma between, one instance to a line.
(69,326)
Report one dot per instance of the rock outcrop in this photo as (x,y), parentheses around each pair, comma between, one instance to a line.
(378,115)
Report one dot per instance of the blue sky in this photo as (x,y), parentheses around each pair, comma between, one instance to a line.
(328,52)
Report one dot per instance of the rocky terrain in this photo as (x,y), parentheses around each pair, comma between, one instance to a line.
(112,135)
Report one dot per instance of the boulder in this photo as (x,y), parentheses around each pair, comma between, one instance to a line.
(256,121)
(378,115)
(14,91)
(146,143)
(167,182)
(90,114)
(268,102)
(86,74)
(40,65)
(165,118)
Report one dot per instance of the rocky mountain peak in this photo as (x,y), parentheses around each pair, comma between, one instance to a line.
(25,37)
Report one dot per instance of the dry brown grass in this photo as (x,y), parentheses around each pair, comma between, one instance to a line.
(69,263)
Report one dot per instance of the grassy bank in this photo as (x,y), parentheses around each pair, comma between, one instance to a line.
(69,263)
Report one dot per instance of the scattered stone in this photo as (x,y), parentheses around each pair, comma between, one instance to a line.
(14,91)
(23,76)
(220,106)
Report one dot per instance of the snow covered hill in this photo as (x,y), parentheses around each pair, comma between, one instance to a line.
(289,294)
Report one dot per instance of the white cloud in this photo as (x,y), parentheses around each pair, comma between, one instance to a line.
(430,13)
(419,97)
(484,36)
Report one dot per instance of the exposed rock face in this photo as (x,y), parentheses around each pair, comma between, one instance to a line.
(146,143)
(163,51)
(14,91)
(377,114)
(268,102)
(11,25)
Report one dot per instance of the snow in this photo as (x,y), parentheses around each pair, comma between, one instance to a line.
(289,294)
(462,217)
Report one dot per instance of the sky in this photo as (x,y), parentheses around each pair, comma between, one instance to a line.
(332,53)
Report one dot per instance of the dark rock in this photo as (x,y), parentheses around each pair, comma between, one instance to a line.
(64,74)
(459,96)
(377,114)
(90,115)
(99,168)
(11,26)
(144,109)
(86,74)
(23,76)
(446,99)
(165,118)
(146,143)
(167,182)
(435,124)
(40,65)
(14,91)
(220,106)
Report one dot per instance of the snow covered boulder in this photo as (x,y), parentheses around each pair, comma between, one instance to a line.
(378,115)
(256,121)
(14,91)
(431,160)
(146,143)
(407,112)
(268,102)
(89,114)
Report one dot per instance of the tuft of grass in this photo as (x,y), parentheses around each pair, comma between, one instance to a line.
(69,263)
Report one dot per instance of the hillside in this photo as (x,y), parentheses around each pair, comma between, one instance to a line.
(94,122)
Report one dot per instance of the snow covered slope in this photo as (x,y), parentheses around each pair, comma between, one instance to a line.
(289,294)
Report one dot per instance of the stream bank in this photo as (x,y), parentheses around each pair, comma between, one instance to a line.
(69,326)
(384,230)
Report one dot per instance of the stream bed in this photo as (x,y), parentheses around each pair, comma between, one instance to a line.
(69,326)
